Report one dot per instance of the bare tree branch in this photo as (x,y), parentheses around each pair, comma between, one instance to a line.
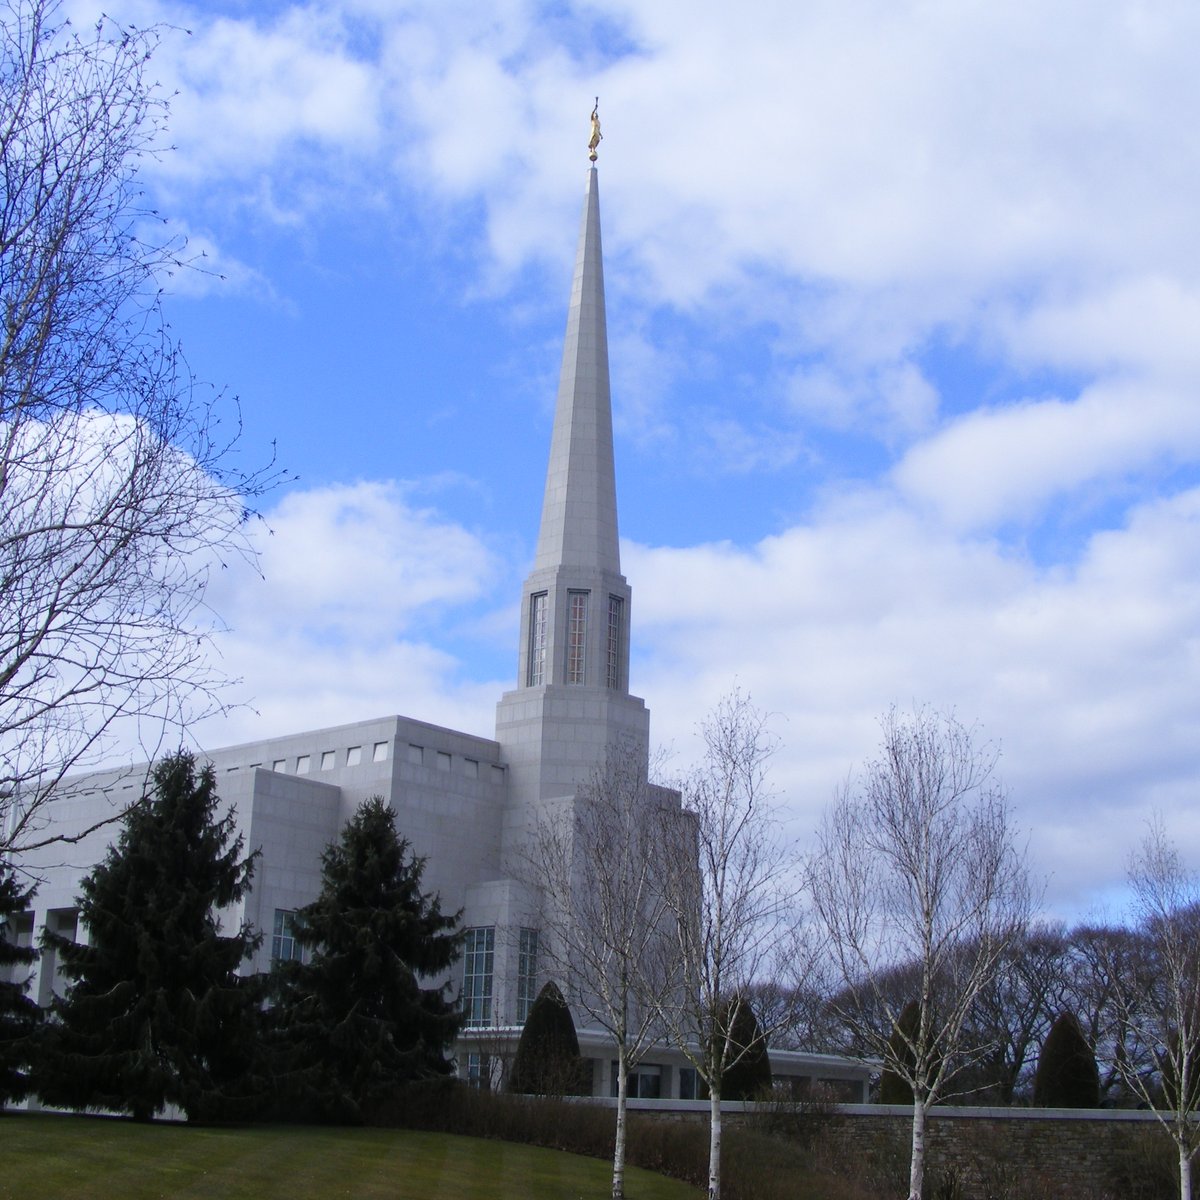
(1161,1001)
(118,490)
(917,866)
(729,894)
(597,864)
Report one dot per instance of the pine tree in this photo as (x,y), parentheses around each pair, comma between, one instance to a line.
(1067,1076)
(355,1022)
(547,1062)
(749,1076)
(19,1015)
(156,1014)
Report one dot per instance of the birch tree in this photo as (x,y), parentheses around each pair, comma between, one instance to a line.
(118,490)
(1161,1002)
(731,906)
(597,861)
(917,863)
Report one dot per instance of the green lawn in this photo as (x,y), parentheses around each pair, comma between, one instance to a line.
(46,1157)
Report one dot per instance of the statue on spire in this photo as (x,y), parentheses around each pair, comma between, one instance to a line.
(594,140)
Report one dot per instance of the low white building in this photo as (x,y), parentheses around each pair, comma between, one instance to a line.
(465,803)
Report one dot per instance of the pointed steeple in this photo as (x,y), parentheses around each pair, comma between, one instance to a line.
(579,511)
(571,708)
(576,605)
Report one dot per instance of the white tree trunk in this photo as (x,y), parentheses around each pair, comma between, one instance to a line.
(714,1146)
(618,1175)
(1185,1174)
(916,1167)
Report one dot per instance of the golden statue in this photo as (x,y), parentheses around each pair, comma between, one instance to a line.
(594,140)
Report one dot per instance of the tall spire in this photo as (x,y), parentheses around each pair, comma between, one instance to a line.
(579,511)
(571,710)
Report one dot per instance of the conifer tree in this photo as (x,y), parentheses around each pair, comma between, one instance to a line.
(893,1087)
(19,1015)
(547,1062)
(356,1020)
(1067,1076)
(156,1014)
(749,1076)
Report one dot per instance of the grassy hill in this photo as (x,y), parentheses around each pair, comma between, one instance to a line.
(92,1158)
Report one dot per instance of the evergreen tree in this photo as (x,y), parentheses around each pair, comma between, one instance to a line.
(749,1076)
(1067,1076)
(355,1021)
(156,1013)
(19,1015)
(547,1062)
(892,1088)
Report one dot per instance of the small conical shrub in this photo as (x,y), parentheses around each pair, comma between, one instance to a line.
(1066,1072)
(547,1061)
(750,1075)
(893,1089)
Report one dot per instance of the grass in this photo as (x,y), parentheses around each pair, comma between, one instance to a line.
(47,1157)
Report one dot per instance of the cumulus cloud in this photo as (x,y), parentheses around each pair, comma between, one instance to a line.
(253,91)
(342,614)
(863,180)
(1084,676)
(1008,463)
(960,237)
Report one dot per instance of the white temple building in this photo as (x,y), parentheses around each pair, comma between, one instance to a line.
(465,803)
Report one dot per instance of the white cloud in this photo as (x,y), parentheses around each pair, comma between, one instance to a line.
(357,589)
(857,178)
(1147,322)
(1086,677)
(357,563)
(250,92)
(1001,464)
(845,187)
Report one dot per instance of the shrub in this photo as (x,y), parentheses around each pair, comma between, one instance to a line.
(893,1089)
(750,1075)
(1066,1072)
(547,1061)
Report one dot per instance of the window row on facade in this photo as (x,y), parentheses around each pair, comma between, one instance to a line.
(443,760)
(328,759)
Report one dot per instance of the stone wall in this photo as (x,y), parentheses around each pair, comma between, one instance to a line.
(973,1153)
(1008,1154)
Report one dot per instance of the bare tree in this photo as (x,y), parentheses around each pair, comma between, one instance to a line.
(917,864)
(1114,1017)
(1163,1001)
(1015,1009)
(597,862)
(729,896)
(117,493)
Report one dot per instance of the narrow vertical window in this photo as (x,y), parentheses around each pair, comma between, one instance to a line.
(526,973)
(537,640)
(577,637)
(613,669)
(477,1069)
(479,950)
(284,946)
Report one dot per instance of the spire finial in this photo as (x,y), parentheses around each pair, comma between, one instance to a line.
(594,140)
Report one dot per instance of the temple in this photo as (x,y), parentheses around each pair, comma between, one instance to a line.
(467,804)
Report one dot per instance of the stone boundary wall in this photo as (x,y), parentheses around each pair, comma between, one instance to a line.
(980,1153)
(983,1153)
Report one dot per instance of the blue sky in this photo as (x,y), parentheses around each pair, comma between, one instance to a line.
(903,313)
